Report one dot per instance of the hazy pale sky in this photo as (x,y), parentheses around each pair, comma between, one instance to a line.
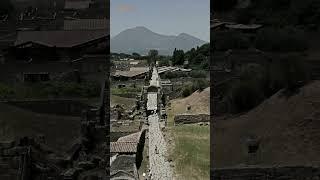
(168,17)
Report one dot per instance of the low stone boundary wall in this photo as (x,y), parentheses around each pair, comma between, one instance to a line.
(191,118)
(266,173)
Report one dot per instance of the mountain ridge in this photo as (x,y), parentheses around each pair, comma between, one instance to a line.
(141,39)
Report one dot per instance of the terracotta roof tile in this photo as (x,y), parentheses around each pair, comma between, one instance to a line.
(123,147)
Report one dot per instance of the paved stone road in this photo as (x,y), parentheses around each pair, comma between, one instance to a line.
(159,166)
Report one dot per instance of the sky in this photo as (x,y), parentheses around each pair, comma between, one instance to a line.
(168,17)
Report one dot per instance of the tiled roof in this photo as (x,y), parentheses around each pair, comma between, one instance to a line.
(59,38)
(86,24)
(123,147)
(143,69)
(129,73)
(130,138)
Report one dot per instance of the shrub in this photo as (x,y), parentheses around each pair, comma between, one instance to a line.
(187,91)
(171,75)
(200,84)
(164,62)
(198,74)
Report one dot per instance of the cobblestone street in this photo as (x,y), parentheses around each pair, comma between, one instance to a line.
(159,166)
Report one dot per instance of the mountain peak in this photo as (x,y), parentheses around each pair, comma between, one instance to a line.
(141,28)
(184,34)
(140,39)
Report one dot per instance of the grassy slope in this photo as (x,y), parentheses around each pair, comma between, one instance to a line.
(287,137)
(199,102)
(190,150)
(59,131)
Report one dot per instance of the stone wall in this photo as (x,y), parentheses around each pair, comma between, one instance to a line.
(267,173)
(191,118)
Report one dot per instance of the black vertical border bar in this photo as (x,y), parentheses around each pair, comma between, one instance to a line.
(107,96)
(211,93)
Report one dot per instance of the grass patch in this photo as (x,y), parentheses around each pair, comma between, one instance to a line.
(191,150)
(125,102)
(126,91)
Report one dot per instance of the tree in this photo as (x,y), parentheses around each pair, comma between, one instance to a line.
(136,55)
(152,56)
(164,62)
(178,57)
(199,59)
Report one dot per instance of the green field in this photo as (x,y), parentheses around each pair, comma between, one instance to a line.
(191,150)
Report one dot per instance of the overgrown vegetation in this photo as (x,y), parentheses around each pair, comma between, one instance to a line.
(199,58)
(178,57)
(200,85)
(128,91)
(164,61)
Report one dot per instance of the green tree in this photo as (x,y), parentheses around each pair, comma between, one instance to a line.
(136,55)
(152,56)
(164,62)
(178,57)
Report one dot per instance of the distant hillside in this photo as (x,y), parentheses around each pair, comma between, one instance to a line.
(141,40)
